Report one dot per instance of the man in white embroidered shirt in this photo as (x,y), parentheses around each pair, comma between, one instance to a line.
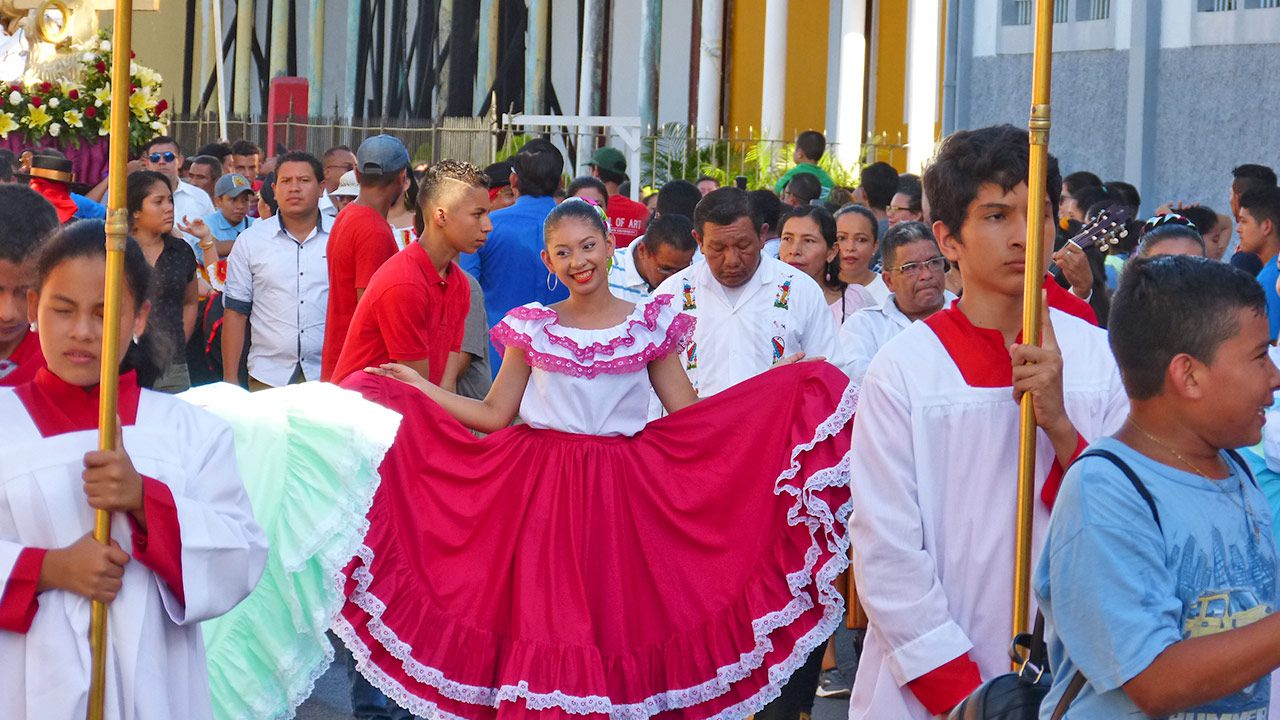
(753,311)
(915,271)
(278,281)
(164,156)
(665,249)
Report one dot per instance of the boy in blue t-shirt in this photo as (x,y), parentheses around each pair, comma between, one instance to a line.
(1167,609)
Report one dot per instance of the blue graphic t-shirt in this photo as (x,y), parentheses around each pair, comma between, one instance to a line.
(1116,589)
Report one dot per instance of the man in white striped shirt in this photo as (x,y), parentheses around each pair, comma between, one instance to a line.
(639,268)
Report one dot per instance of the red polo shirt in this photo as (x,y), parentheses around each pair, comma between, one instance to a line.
(627,219)
(360,241)
(408,312)
(23,363)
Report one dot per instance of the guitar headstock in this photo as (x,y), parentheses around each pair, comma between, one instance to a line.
(1105,230)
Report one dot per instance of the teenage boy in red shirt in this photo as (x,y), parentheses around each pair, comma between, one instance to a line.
(361,239)
(25,219)
(415,308)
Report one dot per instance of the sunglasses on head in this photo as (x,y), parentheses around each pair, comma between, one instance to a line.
(165,156)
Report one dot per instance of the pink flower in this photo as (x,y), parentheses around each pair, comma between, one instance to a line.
(35,100)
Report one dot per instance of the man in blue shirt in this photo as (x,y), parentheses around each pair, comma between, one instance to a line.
(1258,224)
(1160,589)
(509,266)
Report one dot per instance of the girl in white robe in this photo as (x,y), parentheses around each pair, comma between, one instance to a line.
(185,546)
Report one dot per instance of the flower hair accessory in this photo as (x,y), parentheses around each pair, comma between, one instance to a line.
(1167,219)
(604,216)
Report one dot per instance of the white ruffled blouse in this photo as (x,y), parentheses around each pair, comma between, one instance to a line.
(592,382)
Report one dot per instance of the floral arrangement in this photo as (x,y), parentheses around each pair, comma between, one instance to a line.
(80,112)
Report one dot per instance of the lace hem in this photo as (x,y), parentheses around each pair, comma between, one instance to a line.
(809,509)
(679,335)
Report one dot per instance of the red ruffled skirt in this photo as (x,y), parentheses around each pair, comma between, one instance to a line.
(682,573)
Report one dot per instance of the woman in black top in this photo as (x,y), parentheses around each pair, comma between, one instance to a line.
(173,286)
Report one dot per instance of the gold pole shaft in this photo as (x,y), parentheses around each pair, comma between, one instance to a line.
(1031,308)
(117,234)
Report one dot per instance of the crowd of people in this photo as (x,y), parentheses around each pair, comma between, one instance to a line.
(724,339)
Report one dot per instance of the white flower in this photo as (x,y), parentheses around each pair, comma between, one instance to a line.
(15,98)
(133,68)
(88,57)
(157,126)
(55,129)
(104,129)
(105,46)
(54,102)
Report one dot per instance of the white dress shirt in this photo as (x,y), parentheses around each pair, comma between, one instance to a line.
(867,330)
(192,203)
(282,284)
(743,331)
(625,281)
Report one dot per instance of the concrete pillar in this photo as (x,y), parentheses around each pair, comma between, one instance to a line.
(852,78)
(710,67)
(535,60)
(487,53)
(650,67)
(244,55)
(924,36)
(353,58)
(773,95)
(315,103)
(1140,111)
(590,72)
(278,53)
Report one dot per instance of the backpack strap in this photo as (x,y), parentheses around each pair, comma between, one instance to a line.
(1239,460)
(1133,477)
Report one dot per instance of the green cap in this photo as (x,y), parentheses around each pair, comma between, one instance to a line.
(611,159)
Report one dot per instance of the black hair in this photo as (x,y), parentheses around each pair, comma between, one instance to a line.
(88,239)
(138,186)
(674,230)
(1079,180)
(210,161)
(538,167)
(160,140)
(304,157)
(221,151)
(900,235)
(679,197)
(268,192)
(578,210)
(1091,197)
(967,159)
(1253,174)
(827,228)
(1125,193)
(805,187)
(586,181)
(1263,203)
(812,144)
(725,206)
(909,185)
(1168,227)
(879,181)
(1204,218)
(244,147)
(767,205)
(327,153)
(700,179)
(26,219)
(865,212)
(1172,305)
(8,161)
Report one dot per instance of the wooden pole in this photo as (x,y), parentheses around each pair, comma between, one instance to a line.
(117,235)
(1031,307)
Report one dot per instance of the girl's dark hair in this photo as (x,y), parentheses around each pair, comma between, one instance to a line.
(586,181)
(827,227)
(139,187)
(577,209)
(865,212)
(88,239)
(1168,227)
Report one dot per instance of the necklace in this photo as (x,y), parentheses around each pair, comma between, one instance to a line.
(1244,506)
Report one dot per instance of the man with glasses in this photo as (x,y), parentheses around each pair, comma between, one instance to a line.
(915,271)
(164,156)
(337,161)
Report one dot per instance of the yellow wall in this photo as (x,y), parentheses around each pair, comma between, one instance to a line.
(807,24)
(889,84)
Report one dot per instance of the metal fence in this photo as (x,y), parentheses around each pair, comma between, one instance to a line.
(674,151)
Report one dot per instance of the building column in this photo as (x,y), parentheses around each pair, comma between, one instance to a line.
(1140,111)
(590,72)
(535,59)
(244,55)
(650,67)
(316,97)
(487,54)
(278,53)
(851,82)
(353,58)
(710,67)
(773,94)
(924,37)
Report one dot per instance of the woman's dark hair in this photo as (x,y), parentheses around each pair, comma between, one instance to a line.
(586,181)
(578,209)
(268,192)
(1168,227)
(805,187)
(88,239)
(139,187)
(827,227)
(865,212)
(910,186)
(1080,179)
(1204,218)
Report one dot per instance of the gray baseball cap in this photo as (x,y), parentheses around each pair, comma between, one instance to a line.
(381,155)
(232,185)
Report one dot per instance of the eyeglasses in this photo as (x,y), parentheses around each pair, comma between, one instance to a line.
(912,269)
(165,156)
(895,208)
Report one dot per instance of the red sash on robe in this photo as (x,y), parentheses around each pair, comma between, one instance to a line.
(28,357)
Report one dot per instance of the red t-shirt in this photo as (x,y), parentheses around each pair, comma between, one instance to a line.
(627,219)
(359,243)
(23,363)
(408,312)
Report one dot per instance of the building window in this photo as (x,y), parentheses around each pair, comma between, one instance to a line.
(1061,11)
(1093,9)
(1262,3)
(1023,12)
(1217,5)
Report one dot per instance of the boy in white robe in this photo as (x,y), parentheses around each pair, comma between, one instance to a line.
(185,546)
(935,445)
